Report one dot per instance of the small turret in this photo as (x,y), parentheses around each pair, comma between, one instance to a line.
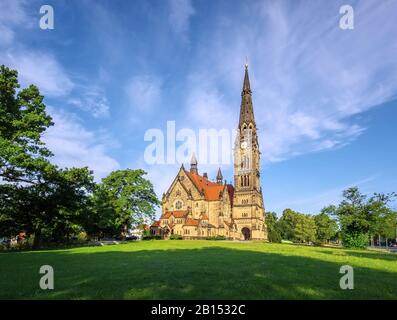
(219,177)
(193,164)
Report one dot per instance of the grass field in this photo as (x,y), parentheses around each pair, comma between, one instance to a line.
(199,270)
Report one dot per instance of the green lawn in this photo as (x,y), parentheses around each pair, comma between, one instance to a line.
(199,270)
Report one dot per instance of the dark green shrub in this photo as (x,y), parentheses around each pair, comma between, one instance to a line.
(274,236)
(216,238)
(151,237)
(175,237)
(355,240)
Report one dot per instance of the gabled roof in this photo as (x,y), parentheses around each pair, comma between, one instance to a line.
(180,214)
(156,223)
(192,222)
(210,189)
(175,214)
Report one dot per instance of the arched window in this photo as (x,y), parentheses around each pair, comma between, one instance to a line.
(248,181)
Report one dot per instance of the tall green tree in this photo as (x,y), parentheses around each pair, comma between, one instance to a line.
(297,227)
(35,195)
(273,233)
(326,227)
(126,198)
(361,218)
(305,228)
(287,223)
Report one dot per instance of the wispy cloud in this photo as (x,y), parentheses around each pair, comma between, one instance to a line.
(76,146)
(12,15)
(93,101)
(34,67)
(309,78)
(143,92)
(41,69)
(317,201)
(180,13)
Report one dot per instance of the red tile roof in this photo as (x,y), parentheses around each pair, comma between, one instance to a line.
(211,189)
(176,214)
(166,215)
(192,222)
(156,223)
(179,214)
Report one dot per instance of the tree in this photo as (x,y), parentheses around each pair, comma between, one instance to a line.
(35,195)
(286,224)
(326,228)
(48,210)
(305,229)
(23,156)
(273,233)
(361,218)
(297,227)
(126,198)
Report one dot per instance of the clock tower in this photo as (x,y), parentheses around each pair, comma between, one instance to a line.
(248,207)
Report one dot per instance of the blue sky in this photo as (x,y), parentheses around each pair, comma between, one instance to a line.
(324,98)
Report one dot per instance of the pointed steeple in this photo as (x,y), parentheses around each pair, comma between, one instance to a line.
(219,177)
(246,85)
(193,164)
(246,108)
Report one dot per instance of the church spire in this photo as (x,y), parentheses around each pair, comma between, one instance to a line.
(193,164)
(219,176)
(246,108)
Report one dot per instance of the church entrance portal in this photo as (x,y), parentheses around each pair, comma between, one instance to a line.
(246,233)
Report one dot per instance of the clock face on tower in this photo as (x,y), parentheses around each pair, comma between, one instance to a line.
(244,145)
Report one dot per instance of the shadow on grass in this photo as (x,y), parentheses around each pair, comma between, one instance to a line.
(364,254)
(205,273)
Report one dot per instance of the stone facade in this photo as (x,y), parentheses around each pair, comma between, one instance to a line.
(196,208)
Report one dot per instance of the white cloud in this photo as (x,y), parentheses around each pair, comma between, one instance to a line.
(6,35)
(93,100)
(75,146)
(206,108)
(309,77)
(179,17)
(40,69)
(143,92)
(12,14)
(316,201)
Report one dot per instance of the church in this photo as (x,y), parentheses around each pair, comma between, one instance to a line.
(196,208)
